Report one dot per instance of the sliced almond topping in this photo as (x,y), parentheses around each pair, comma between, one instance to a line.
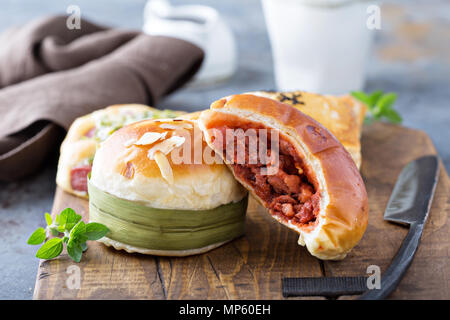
(164,166)
(174,126)
(150,137)
(166,146)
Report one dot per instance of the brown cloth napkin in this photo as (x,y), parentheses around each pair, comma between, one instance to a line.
(74,72)
(46,45)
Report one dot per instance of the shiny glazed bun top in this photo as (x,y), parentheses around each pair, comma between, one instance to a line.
(164,164)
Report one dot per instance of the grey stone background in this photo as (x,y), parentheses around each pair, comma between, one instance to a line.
(411,56)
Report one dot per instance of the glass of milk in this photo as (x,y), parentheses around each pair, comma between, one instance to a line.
(319,45)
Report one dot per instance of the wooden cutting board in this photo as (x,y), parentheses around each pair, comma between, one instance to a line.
(252,266)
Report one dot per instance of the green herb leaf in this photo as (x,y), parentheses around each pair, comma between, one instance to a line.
(51,249)
(75,234)
(96,231)
(374,96)
(72,218)
(63,216)
(48,219)
(392,116)
(67,215)
(380,105)
(68,219)
(37,237)
(54,231)
(74,250)
(386,101)
(361,96)
(78,230)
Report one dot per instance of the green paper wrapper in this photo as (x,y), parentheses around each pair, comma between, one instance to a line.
(138,225)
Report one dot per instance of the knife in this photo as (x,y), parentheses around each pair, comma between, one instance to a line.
(409,204)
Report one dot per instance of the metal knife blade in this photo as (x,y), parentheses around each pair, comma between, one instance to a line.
(411,198)
(410,203)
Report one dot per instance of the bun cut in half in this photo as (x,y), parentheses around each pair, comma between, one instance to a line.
(156,198)
(303,176)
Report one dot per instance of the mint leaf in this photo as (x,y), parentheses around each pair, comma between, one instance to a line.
(37,237)
(63,216)
(74,250)
(54,231)
(51,249)
(68,228)
(78,230)
(392,116)
(361,96)
(96,231)
(374,97)
(69,218)
(386,101)
(48,219)
(71,223)
(82,238)
(380,105)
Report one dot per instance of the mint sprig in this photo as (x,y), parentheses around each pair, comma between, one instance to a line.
(380,105)
(69,229)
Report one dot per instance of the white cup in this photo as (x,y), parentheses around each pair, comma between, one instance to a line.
(202,26)
(319,46)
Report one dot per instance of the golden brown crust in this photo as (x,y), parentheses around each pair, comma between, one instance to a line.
(344,208)
(342,115)
(138,154)
(127,168)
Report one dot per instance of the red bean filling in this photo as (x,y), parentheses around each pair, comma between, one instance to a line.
(288,193)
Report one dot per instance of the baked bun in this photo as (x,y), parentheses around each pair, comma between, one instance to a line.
(152,170)
(342,115)
(315,187)
(85,135)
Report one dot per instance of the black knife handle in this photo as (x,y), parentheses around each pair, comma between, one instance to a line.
(331,287)
(391,278)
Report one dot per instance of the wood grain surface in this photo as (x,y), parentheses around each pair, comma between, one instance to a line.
(252,266)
